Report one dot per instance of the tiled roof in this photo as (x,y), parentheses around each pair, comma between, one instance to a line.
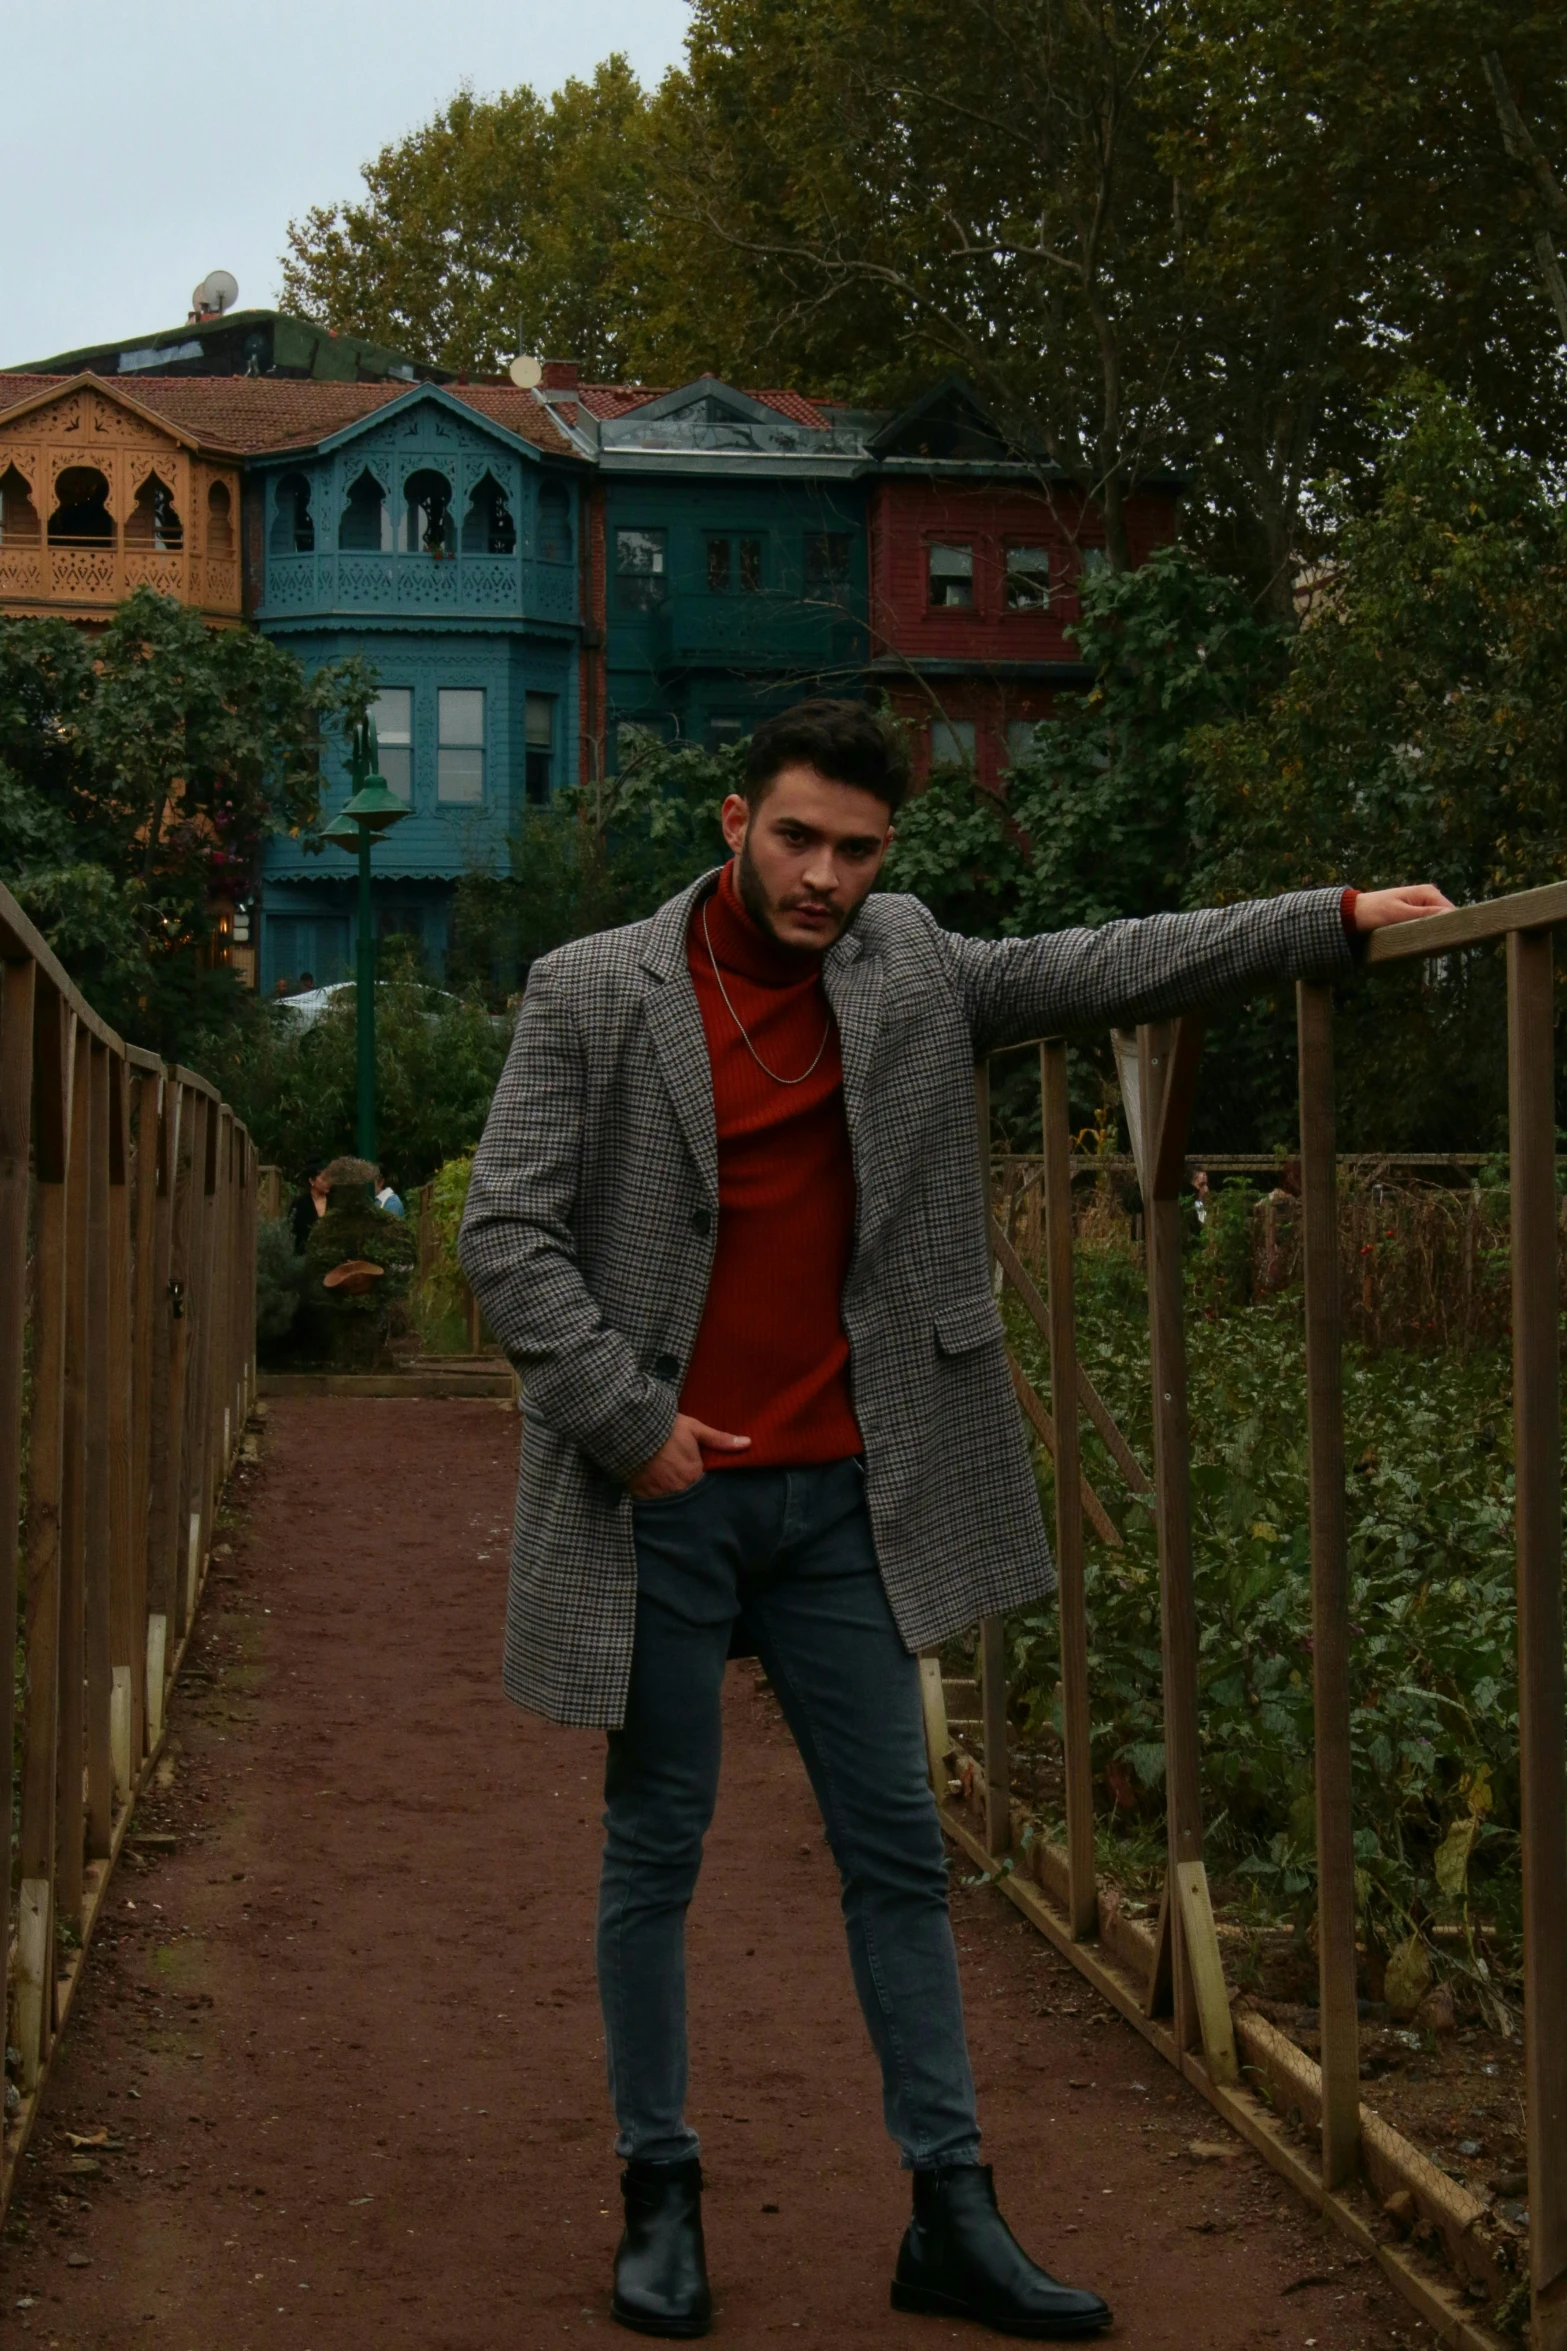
(607,401)
(254,413)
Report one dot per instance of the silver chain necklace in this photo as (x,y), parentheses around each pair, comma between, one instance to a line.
(740,1024)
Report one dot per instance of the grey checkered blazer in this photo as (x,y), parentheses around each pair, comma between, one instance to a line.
(593,1213)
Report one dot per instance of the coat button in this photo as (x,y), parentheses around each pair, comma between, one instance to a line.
(666,1367)
(701,1221)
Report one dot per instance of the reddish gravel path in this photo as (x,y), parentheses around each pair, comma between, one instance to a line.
(345,2040)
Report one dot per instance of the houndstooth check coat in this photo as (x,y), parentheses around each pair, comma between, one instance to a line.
(592,1219)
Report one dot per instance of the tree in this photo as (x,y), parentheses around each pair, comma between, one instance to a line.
(1421,731)
(503,223)
(608,854)
(140,773)
(856,196)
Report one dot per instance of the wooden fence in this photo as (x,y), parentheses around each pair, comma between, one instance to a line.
(127,1373)
(1171,1985)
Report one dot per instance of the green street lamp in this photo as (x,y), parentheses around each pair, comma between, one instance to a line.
(372,810)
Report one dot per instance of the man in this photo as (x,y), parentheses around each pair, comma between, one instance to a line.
(727,1220)
(386,1195)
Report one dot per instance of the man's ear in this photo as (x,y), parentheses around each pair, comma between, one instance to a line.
(735,818)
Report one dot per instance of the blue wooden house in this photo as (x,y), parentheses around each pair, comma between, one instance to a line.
(431,537)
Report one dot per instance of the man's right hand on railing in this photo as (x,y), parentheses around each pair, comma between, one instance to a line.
(1373,910)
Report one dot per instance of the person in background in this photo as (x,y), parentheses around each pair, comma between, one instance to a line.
(282,986)
(385,1197)
(1201,1195)
(308,1205)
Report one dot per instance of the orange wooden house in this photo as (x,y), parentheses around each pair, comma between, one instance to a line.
(100,495)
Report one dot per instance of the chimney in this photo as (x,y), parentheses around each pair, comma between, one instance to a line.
(561,375)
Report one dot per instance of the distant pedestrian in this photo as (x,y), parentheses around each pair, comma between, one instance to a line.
(385,1197)
(308,1205)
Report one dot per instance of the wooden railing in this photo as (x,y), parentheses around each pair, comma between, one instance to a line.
(127,1372)
(1172,1986)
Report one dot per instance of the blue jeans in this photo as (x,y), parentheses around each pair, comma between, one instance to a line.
(787,1555)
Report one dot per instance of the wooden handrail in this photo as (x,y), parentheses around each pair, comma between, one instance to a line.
(134,1188)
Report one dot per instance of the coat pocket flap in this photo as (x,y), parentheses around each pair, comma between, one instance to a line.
(960,1329)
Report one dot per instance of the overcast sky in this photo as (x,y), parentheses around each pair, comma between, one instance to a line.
(146,142)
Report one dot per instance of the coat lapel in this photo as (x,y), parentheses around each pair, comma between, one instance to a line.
(853,979)
(675,1026)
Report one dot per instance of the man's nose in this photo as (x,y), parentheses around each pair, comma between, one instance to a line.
(821,872)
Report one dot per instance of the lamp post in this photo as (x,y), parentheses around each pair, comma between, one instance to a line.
(373,808)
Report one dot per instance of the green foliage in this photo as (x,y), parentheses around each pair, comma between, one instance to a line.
(437,1061)
(349,1329)
(500,218)
(607,854)
(1433,1685)
(1099,820)
(443,1288)
(280,1278)
(141,770)
(1420,731)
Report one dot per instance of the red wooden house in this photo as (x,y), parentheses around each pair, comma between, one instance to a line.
(975,560)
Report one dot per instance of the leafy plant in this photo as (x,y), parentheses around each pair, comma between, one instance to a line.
(1434,1721)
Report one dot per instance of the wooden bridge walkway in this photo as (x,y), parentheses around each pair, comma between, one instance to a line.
(334,2075)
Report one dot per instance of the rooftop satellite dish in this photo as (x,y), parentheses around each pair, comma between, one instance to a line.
(218,291)
(526,373)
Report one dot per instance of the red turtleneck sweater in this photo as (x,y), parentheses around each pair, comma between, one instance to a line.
(771,1361)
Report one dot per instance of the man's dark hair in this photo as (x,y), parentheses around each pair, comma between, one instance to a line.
(843,741)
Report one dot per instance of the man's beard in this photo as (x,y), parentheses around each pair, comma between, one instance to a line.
(754,899)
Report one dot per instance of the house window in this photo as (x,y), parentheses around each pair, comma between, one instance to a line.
(293,528)
(555,523)
(393,713)
(1022,740)
(1092,561)
(734,563)
(488,528)
(951,576)
(154,520)
(18,514)
(1028,579)
(539,747)
(639,569)
(459,763)
(220,521)
(952,743)
(366,527)
(81,516)
(827,559)
(723,733)
(427,514)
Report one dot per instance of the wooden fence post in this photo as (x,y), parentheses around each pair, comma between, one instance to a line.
(98,1516)
(1083,1896)
(1167,1067)
(18,991)
(54,1057)
(1542,1699)
(122,1386)
(992,1641)
(168,1481)
(70,1818)
(1336,1962)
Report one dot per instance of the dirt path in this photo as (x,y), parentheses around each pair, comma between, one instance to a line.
(345,2043)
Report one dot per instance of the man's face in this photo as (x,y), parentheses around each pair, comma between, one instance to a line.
(809,855)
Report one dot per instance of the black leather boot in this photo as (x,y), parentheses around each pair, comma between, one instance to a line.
(661,2267)
(960,2260)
